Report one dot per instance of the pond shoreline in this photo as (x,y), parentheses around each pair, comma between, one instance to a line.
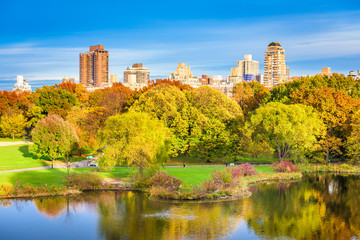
(245,182)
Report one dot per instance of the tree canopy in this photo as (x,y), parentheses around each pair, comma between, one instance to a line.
(53,137)
(291,130)
(134,138)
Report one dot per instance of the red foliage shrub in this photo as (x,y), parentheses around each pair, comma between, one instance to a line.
(284,166)
(209,186)
(243,170)
(162,179)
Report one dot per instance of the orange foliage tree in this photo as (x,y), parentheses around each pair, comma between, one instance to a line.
(335,108)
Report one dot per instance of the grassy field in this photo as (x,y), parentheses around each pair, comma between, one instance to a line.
(54,176)
(219,161)
(17,157)
(189,175)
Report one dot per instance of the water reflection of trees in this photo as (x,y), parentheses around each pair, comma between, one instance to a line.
(320,207)
(134,217)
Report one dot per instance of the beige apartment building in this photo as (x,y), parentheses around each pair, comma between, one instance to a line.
(94,66)
(67,80)
(114,79)
(137,76)
(137,73)
(246,70)
(275,71)
(184,75)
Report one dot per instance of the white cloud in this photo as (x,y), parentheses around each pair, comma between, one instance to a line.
(208,47)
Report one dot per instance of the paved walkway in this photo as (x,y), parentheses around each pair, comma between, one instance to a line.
(3,144)
(73,165)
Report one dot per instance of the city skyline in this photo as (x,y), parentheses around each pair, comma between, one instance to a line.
(325,35)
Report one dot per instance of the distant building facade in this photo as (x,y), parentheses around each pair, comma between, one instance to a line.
(67,80)
(94,67)
(246,70)
(354,75)
(275,71)
(326,71)
(184,75)
(21,84)
(137,76)
(114,79)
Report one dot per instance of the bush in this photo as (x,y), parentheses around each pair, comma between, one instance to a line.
(243,170)
(222,177)
(6,189)
(84,181)
(162,179)
(209,186)
(161,192)
(284,166)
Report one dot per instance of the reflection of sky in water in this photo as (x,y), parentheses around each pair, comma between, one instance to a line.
(22,220)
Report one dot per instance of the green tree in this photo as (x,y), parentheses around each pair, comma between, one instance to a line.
(134,138)
(219,120)
(53,137)
(13,124)
(288,129)
(169,105)
(54,100)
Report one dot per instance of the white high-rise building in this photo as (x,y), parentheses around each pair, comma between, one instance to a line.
(21,84)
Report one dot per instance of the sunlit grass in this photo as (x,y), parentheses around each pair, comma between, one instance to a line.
(17,157)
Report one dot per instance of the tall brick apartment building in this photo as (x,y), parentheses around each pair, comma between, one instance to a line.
(94,66)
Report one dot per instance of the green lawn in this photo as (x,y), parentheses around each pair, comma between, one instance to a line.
(189,175)
(17,157)
(197,175)
(54,176)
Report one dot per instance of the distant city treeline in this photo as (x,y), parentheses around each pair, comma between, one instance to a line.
(314,118)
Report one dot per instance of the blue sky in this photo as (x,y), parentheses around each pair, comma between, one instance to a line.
(42,40)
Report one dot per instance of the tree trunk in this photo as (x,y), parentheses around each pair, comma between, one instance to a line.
(141,169)
(52,162)
(327,156)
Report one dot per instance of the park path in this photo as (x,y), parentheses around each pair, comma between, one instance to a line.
(73,165)
(83,164)
(3,144)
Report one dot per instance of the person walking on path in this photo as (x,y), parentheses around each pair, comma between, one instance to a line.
(183,164)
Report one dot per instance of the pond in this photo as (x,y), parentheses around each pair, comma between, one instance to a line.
(317,207)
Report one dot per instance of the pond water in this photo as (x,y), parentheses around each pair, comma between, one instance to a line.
(317,207)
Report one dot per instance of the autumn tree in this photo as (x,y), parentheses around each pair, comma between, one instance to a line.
(53,137)
(18,101)
(335,108)
(287,128)
(353,141)
(249,95)
(13,124)
(80,119)
(134,138)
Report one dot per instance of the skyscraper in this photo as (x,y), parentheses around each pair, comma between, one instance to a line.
(275,68)
(94,66)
